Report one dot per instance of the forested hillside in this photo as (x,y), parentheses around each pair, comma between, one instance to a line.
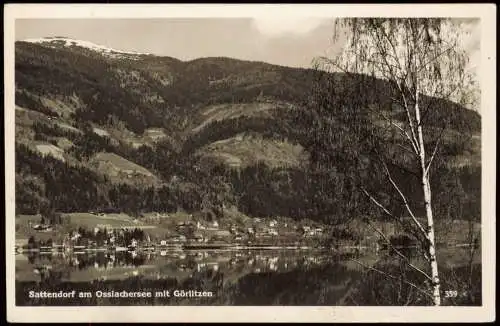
(145,133)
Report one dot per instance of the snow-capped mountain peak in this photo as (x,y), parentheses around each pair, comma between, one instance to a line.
(58,41)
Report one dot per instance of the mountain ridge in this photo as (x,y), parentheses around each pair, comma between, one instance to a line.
(126,97)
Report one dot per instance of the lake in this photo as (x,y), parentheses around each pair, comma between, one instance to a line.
(240,277)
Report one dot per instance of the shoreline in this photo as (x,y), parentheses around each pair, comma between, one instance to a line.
(230,247)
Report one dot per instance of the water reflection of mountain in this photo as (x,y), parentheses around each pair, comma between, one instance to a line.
(264,277)
(85,267)
(231,276)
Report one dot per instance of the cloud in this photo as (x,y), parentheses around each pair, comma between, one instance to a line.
(273,26)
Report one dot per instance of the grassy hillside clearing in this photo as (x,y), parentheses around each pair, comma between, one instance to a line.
(89,220)
(114,165)
(64,107)
(49,149)
(231,111)
(26,117)
(101,132)
(245,150)
(68,127)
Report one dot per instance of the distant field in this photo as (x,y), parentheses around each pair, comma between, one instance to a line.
(24,120)
(49,149)
(24,231)
(154,133)
(121,163)
(27,116)
(68,127)
(231,111)
(149,137)
(63,108)
(242,150)
(113,220)
(120,169)
(101,132)
(86,220)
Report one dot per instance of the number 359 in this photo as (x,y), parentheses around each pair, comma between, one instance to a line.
(450,294)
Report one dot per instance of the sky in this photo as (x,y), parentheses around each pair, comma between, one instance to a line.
(289,42)
(293,41)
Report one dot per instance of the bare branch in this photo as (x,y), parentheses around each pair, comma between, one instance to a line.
(391,162)
(399,253)
(445,95)
(434,152)
(400,88)
(436,57)
(379,204)
(408,298)
(330,61)
(403,197)
(386,211)
(391,43)
(392,277)
(406,149)
(404,132)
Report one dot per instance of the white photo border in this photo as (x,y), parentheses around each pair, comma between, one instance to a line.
(487,14)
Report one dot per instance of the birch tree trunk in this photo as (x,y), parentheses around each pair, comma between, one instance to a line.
(428,208)
(423,59)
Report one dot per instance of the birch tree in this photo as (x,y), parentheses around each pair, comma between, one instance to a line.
(423,62)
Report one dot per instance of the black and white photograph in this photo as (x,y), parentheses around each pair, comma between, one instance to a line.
(274,157)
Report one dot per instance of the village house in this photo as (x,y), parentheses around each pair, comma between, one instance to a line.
(200,226)
(272,232)
(198,237)
(133,243)
(235,230)
(180,237)
(307,231)
(222,233)
(42,227)
(265,232)
(215,266)
(214,226)
(183,224)
(156,217)
(200,266)
(74,235)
